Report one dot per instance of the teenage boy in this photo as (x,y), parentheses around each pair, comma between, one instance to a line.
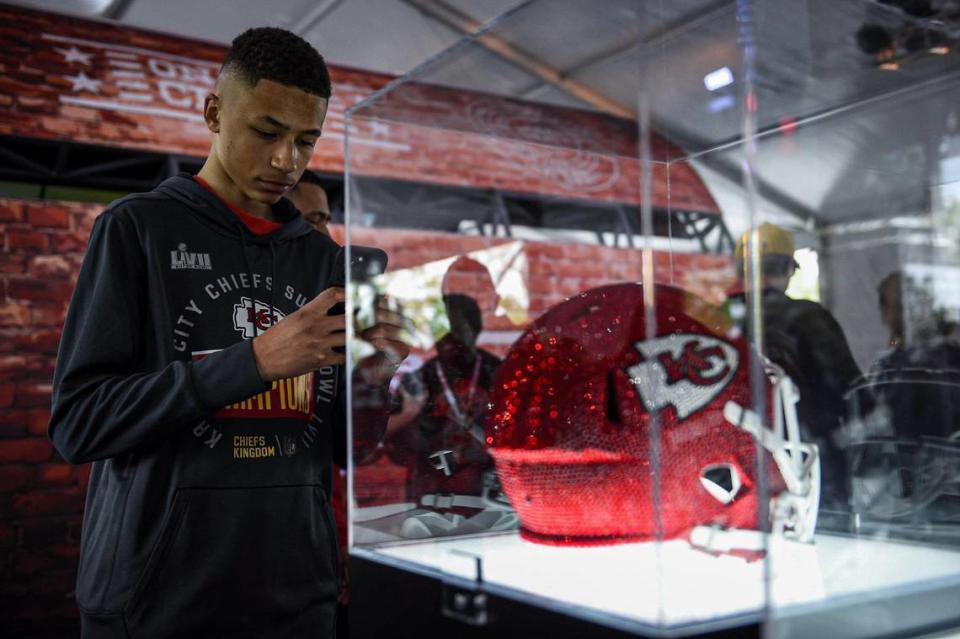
(200,372)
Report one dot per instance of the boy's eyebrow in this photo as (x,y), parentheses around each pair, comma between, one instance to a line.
(286,127)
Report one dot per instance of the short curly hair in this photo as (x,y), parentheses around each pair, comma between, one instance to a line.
(269,53)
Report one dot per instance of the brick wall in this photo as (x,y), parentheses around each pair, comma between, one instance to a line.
(86,81)
(41,496)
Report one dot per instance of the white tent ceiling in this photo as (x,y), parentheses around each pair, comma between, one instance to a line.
(390,36)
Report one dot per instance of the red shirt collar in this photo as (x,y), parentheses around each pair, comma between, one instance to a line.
(257,225)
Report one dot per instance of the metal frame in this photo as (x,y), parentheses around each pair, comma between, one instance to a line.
(57,163)
(708,229)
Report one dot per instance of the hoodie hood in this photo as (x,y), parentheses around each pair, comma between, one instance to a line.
(215,214)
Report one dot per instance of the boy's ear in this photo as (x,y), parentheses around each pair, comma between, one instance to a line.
(211,112)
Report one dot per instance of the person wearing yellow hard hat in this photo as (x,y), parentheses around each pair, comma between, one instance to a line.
(804,339)
(777,247)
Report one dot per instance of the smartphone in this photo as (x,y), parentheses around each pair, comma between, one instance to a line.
(366,262)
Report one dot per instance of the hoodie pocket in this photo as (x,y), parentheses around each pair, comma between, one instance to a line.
(238,562)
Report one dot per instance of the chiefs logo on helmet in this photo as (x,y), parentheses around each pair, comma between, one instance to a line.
(685,371)
(252,317)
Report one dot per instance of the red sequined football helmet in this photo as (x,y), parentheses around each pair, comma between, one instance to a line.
(570,425)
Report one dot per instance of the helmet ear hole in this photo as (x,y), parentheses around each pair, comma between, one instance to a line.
(722,481)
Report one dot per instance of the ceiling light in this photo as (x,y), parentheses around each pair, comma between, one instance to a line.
(718,79)
(938,43)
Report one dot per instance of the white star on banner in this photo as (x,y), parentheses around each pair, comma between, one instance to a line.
(379,128)
(73,54)
(82,82)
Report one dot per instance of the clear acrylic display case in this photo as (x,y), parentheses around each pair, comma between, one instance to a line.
(610,409)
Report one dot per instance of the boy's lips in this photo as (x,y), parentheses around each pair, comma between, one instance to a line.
(273,186)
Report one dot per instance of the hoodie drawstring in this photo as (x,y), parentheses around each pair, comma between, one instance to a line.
(273,278)
(246,261)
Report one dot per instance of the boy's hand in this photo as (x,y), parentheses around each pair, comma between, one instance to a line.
(304,340)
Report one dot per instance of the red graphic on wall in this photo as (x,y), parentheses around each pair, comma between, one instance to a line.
(100,83)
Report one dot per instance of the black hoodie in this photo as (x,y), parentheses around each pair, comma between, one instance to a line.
(207,512)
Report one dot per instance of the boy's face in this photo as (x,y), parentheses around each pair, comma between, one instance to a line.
(265,136)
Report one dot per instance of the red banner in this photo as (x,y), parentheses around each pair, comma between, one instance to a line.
(86,81)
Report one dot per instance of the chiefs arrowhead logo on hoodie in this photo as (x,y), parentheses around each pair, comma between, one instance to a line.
(253,317)
(686,371)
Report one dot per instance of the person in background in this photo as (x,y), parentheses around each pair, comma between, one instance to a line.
(904,438)
(438,433)
(915,380)
(310,198)
(806,341)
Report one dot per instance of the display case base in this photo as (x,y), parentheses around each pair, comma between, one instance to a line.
(393,601)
